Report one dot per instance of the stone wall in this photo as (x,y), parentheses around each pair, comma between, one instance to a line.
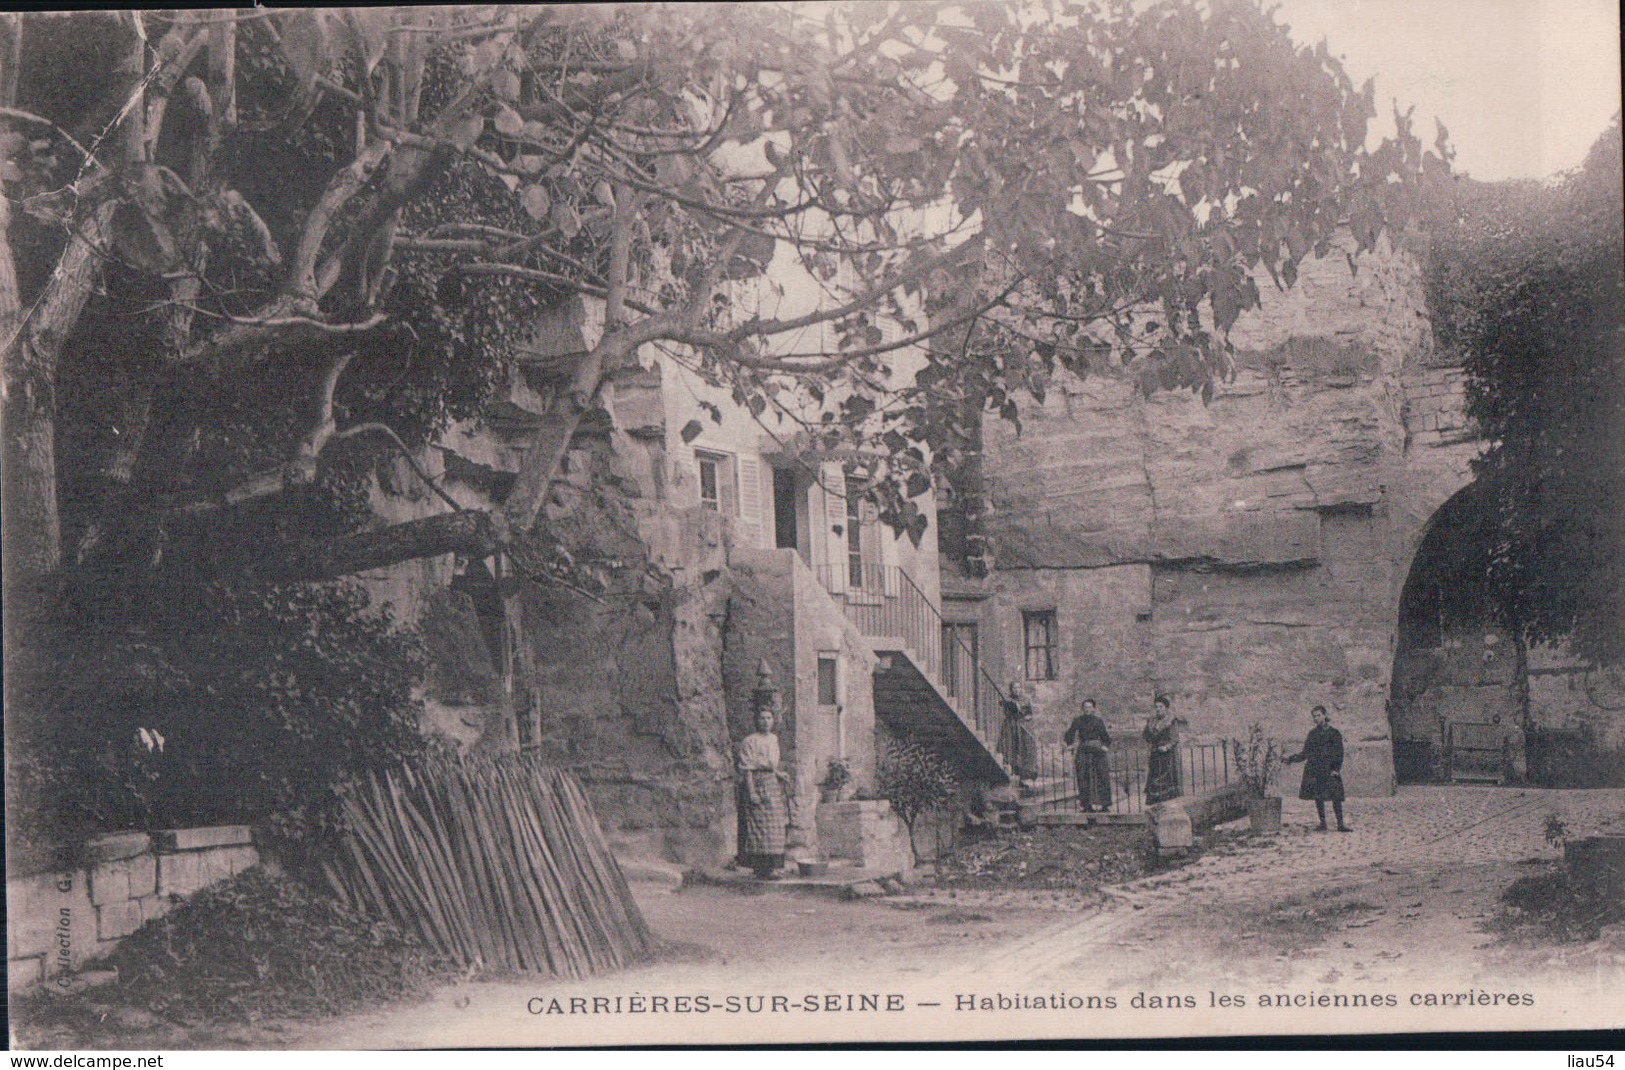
(866,833)
(57,923)
(1245,556)
(1569,696)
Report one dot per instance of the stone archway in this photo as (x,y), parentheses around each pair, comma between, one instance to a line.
(1454,663)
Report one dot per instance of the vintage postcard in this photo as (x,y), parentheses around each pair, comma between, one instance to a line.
(791,523)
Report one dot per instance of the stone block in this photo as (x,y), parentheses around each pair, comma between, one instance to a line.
(865,832)
(180,874)
(1240,539)
(214,866)
(50,915)
(143,874)
(117,920)
(117,845)
(156,906)
(241,858)
(1215,807)
(199,838)
(111,882)
(1171,826)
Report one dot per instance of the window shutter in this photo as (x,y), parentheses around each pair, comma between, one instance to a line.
(888,555)
(832,478)
(685,474)
(728,487)
(750,500)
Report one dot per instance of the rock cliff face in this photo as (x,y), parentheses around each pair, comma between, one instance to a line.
(1247,556)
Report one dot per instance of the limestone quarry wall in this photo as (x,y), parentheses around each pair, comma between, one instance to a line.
(1245,556)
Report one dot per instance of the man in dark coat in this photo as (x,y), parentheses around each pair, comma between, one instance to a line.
(1322,756)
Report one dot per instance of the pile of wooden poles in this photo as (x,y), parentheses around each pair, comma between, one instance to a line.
(494,861)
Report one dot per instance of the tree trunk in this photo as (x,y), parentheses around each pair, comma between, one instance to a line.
(33,529)
(31,344)
(472,532)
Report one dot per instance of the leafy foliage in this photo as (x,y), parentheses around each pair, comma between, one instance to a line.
(1527,288)
(265,698)
(1257,761)
(379,204)
(1556,906)
(915,780)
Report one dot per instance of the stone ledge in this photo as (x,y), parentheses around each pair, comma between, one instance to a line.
(117,846)
(199,838)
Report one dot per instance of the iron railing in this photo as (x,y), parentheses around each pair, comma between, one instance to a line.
(1202,766)
(884,601)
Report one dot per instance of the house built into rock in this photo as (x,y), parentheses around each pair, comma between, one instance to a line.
(1250,557)
(726,542)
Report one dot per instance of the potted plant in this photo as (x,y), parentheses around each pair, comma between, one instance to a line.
(1257,762)
(837,780)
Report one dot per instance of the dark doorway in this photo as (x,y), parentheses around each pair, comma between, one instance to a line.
(1458,687)
(786,532)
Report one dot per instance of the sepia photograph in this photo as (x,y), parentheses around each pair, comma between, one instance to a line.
(805,523)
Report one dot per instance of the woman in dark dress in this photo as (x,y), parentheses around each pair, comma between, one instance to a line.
(1016,742)
(1162,764)
(1322,756)
(1091,761)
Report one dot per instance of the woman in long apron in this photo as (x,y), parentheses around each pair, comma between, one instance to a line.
(764,809)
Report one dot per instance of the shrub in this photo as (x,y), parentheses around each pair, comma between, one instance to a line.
(1257,760)
(265,698)
(915,781)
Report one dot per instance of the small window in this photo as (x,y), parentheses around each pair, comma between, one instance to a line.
(718,487)
(1038,634)
(710,497)
(828,690)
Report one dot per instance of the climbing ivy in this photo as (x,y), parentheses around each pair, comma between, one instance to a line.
(1527,289)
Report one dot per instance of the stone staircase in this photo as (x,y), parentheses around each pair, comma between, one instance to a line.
(938,697)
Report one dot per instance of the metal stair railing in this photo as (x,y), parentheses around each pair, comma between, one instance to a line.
(884,601)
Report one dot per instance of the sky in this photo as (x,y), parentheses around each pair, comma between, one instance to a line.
(1524,86)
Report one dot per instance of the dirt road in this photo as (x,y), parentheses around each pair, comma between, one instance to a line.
(1403,909)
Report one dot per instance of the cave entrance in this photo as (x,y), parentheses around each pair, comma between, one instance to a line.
(1458,703)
